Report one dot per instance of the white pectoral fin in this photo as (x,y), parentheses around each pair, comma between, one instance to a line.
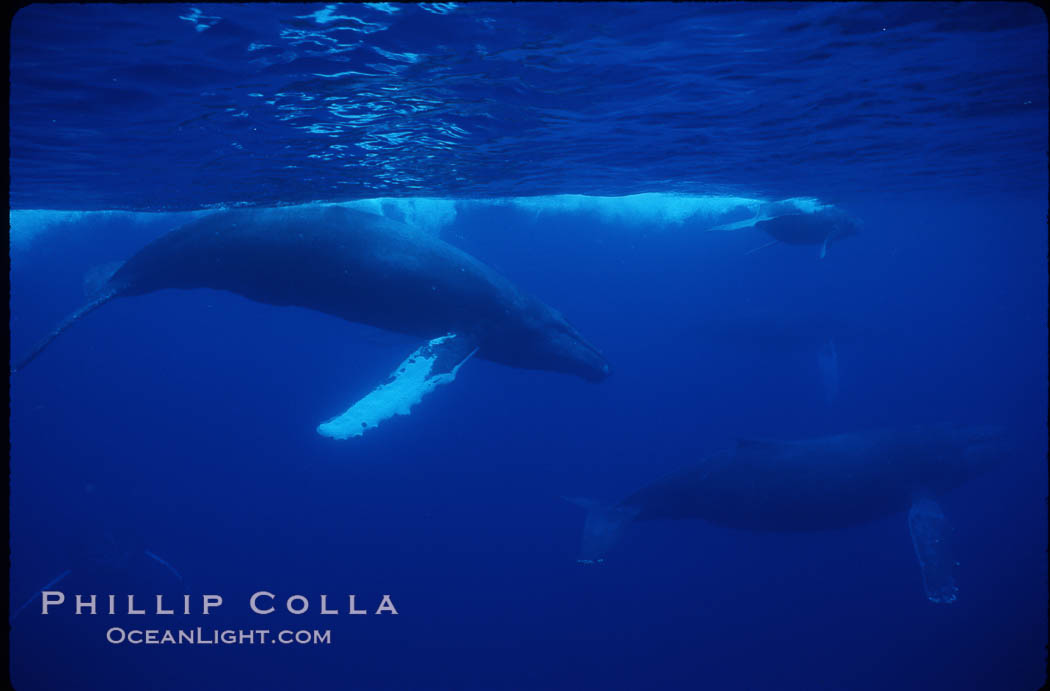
(739,225)
(930,535)
(824,248)
(760,215)
(433,364)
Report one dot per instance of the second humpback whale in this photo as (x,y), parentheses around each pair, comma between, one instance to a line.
(799,221)
(367,269)
(816,484)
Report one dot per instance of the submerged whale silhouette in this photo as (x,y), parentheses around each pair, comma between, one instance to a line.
(799,222)
(815,484)
(362,268)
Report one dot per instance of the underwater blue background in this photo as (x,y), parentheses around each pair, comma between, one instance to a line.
(583,151)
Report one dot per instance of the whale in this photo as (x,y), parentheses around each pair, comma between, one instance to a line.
(821,228)
(817,484)
(362,268)
(799,221)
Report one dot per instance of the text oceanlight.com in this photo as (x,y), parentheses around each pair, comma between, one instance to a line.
(201,636)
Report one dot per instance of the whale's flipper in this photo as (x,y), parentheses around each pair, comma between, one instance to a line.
(424,370)
(98,301)
(824,247)
(828,361)
(739,225)
(602,528)
(929,534)
(36,594)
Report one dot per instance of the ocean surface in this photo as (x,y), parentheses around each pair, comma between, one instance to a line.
(615,160)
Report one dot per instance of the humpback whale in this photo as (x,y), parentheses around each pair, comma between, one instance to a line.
(367,269)
(816,484)
(799,222)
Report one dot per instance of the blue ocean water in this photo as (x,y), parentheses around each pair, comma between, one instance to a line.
(167,444)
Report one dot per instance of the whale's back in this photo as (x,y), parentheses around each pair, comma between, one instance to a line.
(350,264)
(811,484)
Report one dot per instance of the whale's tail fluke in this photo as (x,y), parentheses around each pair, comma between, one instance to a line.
(69,321)
(602,527)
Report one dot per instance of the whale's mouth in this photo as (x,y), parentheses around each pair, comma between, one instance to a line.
(544,340)
(587,361)
(600,368)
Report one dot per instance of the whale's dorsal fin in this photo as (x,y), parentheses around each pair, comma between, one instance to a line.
(431,365)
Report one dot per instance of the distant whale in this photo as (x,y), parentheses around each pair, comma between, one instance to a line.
(367,269)
(799,222)
(817,484)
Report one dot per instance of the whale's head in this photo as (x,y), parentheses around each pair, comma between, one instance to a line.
(541,338)
(567,350)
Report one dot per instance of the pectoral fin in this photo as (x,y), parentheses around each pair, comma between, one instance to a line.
(929,535)
(424,370)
